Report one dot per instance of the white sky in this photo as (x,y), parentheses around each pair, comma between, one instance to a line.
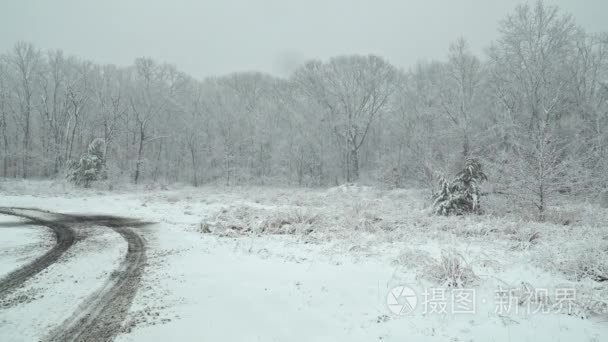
(212,37)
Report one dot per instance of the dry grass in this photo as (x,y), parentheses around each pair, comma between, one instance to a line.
(523,238)
(290,221)
(410,259)
(245,219)
(451,270)
(589,262)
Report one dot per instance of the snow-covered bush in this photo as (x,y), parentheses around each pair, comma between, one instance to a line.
(90,167)
(461,195)
(452,270)
(411,258)
(245,219)
(289,222)
(524,239)
(581,262)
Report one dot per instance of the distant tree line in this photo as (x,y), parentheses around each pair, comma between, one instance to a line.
(533,110)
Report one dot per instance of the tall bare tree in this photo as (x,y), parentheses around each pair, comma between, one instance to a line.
(24,62)
(354,91)
(531,65)
(460,89)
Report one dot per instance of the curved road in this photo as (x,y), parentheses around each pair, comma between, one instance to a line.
(64,237)
(99,318)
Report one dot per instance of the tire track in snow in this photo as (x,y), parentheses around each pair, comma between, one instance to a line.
(64,236)
(100,317)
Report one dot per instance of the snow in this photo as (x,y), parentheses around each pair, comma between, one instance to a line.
(20,244)
(329,285)
(252,294)
(54,294)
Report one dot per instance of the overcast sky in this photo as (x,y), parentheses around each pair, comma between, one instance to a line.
(212,37)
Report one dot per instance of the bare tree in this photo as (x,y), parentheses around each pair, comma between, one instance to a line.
(354,91)
(53,107)
(531,66)
(109,93)
(24,62)
(417,124)
(531,58)
(151,96)
(4,98)
(146,103)
(196,128)
(459,89)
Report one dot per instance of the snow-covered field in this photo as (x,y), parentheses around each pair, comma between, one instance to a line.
(20,244)
(270,264)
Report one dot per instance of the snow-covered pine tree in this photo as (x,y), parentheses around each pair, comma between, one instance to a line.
(90,167)
(461,195)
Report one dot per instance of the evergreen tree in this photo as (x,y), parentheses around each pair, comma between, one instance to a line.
(461,195)
(90,167)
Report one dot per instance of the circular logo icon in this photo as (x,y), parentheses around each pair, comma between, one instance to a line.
(401,300)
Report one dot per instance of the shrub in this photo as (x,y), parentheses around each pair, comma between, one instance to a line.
(288,222)
(587,262)
(90,167)
(524,239)
(461,195)
(451,270)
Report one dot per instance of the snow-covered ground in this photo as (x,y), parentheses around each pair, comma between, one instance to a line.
(269,264)
(20,244)
(53,295)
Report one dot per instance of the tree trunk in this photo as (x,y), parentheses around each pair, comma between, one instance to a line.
(541,205)
(466,147)
(26,143)
(71,145)
(139,153)
(355,162)
(5,159)
(353,165)
(194,167)
(347,167)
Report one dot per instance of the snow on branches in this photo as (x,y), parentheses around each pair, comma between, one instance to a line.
(91,165)
(461,195)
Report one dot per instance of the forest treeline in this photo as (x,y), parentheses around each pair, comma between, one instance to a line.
(533,109)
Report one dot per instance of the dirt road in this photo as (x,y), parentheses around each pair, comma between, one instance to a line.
(100,316)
